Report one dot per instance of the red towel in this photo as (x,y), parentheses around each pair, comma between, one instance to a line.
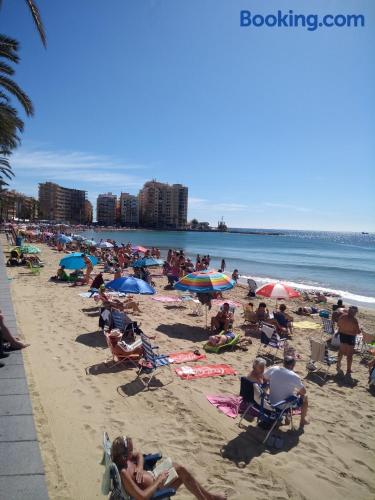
(185,357)
(191,372)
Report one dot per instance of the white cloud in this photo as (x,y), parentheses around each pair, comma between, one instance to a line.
(286,206)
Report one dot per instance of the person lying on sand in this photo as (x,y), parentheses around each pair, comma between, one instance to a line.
(141,484)
(15,343)
(223,320)
(221,339)
(307,311)
(284,382)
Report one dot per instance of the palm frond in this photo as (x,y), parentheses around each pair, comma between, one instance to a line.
(9,48)
(37,20)
(15,90)
(5,68)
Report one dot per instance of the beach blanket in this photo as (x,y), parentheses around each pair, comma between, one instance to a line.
(308,325)
(166,298)
(185,357)
(193,372)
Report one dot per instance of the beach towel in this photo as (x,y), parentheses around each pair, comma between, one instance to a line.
(228,404)
(166,298)
(185,357)
(308,325)
(193,372)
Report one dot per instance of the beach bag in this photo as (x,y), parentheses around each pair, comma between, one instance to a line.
(335,342)
(324,313)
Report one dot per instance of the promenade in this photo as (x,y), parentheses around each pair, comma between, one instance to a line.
(21,467)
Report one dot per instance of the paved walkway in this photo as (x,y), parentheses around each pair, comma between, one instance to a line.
(21,467)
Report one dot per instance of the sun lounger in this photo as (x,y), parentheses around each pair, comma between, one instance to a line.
(217,348)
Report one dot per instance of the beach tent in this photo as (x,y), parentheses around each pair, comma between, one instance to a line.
(130,285)
(75,261)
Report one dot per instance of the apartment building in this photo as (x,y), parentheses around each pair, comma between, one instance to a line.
(61,204)
(15,205)
(163,206)
(129,210)
(106,205)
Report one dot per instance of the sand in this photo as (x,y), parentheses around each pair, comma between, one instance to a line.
(334,458)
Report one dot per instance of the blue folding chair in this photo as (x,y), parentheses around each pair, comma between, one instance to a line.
(268,415)
(111,482)
(152,362)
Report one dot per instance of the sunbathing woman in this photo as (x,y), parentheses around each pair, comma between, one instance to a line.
(221,339)
(141,484)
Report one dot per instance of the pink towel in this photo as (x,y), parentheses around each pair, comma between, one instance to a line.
(229,405)
(185,357)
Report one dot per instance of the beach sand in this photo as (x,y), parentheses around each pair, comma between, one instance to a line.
(334,458)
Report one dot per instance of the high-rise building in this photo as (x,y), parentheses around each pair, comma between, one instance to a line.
(129,210)
(61,204)
(88,212)
(106,209)
(163,205)
(14,205)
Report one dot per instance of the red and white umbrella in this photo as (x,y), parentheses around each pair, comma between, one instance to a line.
(277,291)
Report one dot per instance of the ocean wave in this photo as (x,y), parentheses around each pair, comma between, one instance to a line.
(344,294)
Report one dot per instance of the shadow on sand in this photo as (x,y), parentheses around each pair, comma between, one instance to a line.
(93,339)
(108,367)
(248,445)
(136,386)
(186,332)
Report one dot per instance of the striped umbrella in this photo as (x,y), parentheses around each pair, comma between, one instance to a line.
(205,282)
(277,291)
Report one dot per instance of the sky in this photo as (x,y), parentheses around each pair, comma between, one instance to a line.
(268,127)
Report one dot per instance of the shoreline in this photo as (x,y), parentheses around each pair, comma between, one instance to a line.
(72,407)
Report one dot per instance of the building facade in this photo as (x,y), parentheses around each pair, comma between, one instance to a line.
(163,206)
(14,205)
(61,204)
(129,210)
(89,212)
(106,209)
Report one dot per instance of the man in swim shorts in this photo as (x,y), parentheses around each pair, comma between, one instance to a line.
(223,320)
(348,330)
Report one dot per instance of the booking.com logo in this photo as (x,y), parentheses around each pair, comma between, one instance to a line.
(310,21)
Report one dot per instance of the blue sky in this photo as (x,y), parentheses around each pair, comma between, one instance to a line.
(267,127)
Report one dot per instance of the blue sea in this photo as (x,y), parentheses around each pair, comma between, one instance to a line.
(343,263)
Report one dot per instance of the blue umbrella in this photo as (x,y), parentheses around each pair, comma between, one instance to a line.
(75,261)
(62,238)
(130,285)
(147,262)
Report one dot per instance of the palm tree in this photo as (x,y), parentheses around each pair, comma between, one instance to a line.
(36,18)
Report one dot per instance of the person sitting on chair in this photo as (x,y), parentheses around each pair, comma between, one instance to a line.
(262,312)
(284,382)
(250,314)
(284,320)
(14,342)
(223,320)
(142,484)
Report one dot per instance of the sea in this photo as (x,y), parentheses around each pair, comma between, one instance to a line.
(338,263)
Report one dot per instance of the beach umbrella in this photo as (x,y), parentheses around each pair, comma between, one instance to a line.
(75,261)
(130,285)
(90,243)
(139,249)
(63,239)
(277,291)
(29,249)
(148,262)
(105,244)
(205,282)
(77,237)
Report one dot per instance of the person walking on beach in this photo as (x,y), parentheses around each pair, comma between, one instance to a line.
(348,330)
(222,266)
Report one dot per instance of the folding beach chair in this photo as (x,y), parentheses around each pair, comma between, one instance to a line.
(270,339)
(121,321)
(111,482)
(152,362)
(217,348)
(319,356)
(328,327)
(268,416)
(35,270)
(367,343)
(123,352)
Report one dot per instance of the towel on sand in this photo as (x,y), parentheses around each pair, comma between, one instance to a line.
(308,325)
(192,372)
(228,404)
(185,357)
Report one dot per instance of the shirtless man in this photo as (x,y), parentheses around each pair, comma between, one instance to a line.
(223,320)
(141,484)
(348,330)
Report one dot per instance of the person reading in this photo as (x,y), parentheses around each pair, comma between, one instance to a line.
(141,484)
